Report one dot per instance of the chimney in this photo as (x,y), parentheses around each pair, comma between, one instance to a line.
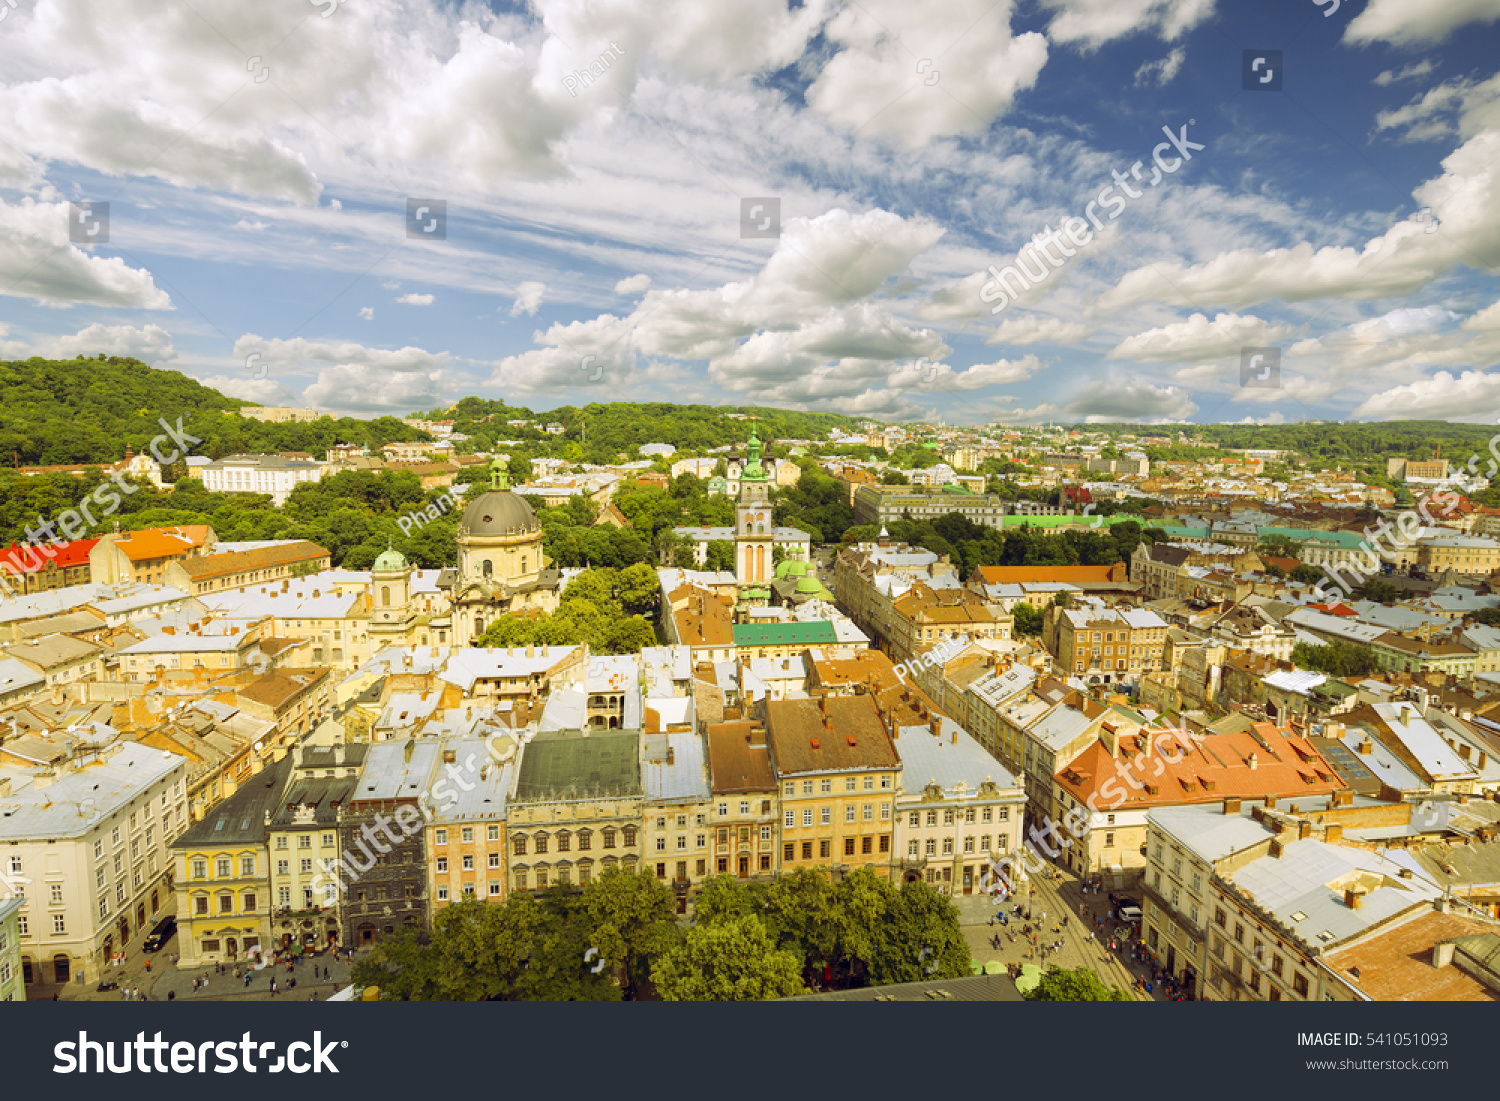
(1352,898)
(1276,847)
(1231,806)
(1366,747)
(671,756)
(1304,830)
(1254,761)
(1334,832)
(1442,953)
(936,726)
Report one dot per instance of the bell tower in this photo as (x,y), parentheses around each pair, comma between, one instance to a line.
(754,531)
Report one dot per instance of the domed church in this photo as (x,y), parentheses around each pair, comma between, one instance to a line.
(501,568)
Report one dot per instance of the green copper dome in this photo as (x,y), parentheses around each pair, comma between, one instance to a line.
(390,561)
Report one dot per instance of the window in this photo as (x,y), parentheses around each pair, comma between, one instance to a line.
(914,848)
(968,844)
(932,818)
(947,818)
(223,866)
(629,832)
(564,842)
(825,786)
(984,842)
(467,834)
(788,851)
(744,806)
(247,866)
(494,863)
(1239,933)
(284,896)
(585,839)
(806,787)
(1299,984)
(56,894)
(281,841)
(609,838)
(226,904)
(304,841)
(916,819)
(849,784)
(468,863)
(1109,840)
(518,846)
(789,820)
(986,815)
(442,863)
(541,842)
(1276,966)
(493,834)
(59,923)
(931,847)
(329,841)
(947,846)
(807,817)
(200,869)
(869,783)
(825,816)
(441,837)
(807,850)
(306,863)
(442,893)
(869,812)
(791,789)
(848,846)
(866,844)
(823,847)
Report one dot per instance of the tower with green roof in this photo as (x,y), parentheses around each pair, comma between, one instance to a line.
(754,531)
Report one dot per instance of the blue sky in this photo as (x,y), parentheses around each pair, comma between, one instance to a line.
(258,159)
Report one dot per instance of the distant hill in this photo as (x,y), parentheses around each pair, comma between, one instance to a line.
(603,430)
(88,410)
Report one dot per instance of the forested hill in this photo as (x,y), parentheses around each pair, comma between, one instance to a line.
(88,410)
(604,430)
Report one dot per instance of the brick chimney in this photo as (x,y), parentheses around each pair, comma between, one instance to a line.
(1231,806)
(1304,830)
(1335,832)
(1353,899)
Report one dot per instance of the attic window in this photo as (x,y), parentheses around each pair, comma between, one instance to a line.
(1299,916)
(1325,936)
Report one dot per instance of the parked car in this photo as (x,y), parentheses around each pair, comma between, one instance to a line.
(165,930)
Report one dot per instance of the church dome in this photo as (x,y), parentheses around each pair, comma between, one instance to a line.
(498,512)
(390,561)
(791,567)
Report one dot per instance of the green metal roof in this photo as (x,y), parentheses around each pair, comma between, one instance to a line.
(574,764)
(814,632)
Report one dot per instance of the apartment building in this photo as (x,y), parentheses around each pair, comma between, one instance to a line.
(302,836)
(466,839)
(869,577)
(675,808)
(576,808)
(84,846)
(839,774)
(12,986)
(1106,645)
(1110,789)
(881,504)
(1468,555)
(143,556)
(60,659)
(149,660)
(956,808)
(383,884)
(37,568)
(223,878)
(923,616)
(273,475)
(744,822)
(235,569)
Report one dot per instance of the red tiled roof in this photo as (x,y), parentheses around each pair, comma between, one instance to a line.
(67,555)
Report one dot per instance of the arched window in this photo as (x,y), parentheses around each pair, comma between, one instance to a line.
(385,596)
(478,625)
(487,568)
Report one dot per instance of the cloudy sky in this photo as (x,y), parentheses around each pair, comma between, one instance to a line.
(374,206)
